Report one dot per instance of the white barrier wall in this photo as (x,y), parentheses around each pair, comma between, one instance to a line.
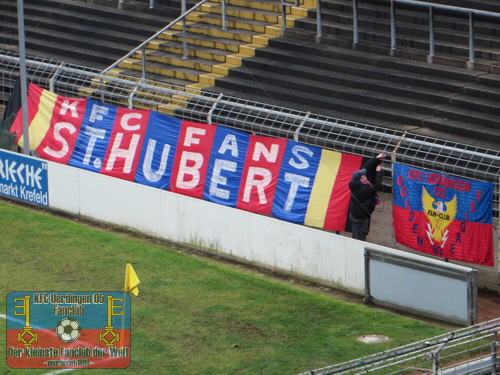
(257,239)
(388,277)
(299,250)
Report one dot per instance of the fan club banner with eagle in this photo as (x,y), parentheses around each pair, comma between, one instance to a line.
(286,179)
(443,215)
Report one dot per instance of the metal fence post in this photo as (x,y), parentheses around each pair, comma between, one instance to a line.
(184,42)
(355,25)
(224,27)
(430,58)
(393,28)
(319,28)
(143,54)
(283,17)
(470,64)
(23,76)
(209,115)
(494,357)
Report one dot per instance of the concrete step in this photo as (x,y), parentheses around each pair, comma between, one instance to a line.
(95,21)
(316,102)
(463,131)
(484,92)
(474,117)
(418,17)
(242,12)
(192,50)
(329,90)
(268,5)
(87,41)
(106,10)
(98,35)
(206,41)
(412,42)
(375,60)
(478,104)
(452,30)
(216,31)
(491,80)
(231,22)
(136,75)
(365,69)
(433,126)
(169,58)
(342,83)
(412,28)
(170,9)
(166,70)
(59,51)
(487,5)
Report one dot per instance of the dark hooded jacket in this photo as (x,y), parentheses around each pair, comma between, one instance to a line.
(363,194)
(371,169)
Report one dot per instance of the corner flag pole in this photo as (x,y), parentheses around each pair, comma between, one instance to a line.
(131,287)
(22,69)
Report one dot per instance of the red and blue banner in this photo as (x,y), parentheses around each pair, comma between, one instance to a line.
(443,215)
(68,330)
(271,176)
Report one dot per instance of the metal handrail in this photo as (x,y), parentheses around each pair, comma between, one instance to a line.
(284,4)
(396,137)
(152,4)
(182,17)
(431,6)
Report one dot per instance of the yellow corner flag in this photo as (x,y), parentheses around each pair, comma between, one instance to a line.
(131,280)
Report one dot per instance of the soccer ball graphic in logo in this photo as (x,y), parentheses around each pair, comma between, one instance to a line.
(68,330)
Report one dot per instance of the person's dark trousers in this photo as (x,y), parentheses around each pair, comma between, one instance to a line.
(359,227)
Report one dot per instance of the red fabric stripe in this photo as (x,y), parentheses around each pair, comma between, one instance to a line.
(89,338)
(60,139)
(34,94)
(124,149)
(411,229)
(338,206)
(260,174)
(191,158)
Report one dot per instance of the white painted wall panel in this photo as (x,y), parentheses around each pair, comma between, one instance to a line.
(120,202)
(64,188)
(261,240)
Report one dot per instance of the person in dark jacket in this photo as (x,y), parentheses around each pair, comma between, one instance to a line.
(371,166)
(363,198)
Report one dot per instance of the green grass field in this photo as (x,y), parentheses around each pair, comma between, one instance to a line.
(193,315)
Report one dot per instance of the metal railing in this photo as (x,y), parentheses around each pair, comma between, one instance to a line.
(182,17)
(472,13)
(458,159)
(471,350)
(152,4)
(295,3)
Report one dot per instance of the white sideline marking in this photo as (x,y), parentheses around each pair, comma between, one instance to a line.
(60,371)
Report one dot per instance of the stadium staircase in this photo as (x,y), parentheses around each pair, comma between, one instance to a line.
(212,50)
(367,84)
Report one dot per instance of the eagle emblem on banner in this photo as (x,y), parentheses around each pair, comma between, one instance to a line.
(440,215)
